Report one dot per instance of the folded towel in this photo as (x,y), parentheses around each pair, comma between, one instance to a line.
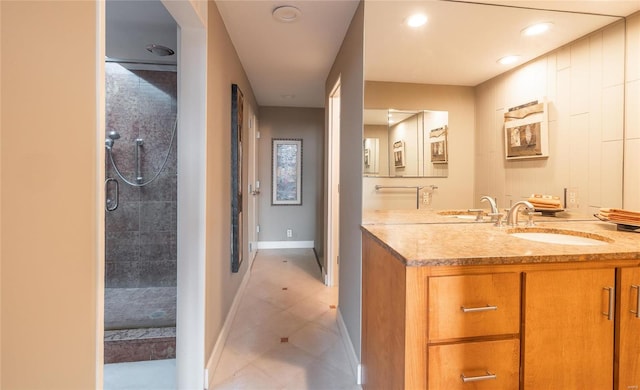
(620,216)
(545,201)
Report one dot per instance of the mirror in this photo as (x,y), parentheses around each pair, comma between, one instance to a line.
(452,64)
(405,143)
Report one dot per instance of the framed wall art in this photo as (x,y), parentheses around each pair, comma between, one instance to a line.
(286,171)
(526,131)
(237,102)
(398,154)
(438,141)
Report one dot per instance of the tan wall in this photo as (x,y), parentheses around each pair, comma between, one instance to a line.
(455,190)
(223,69)
(49,243)
(584,84)
(349,67)
(632,116)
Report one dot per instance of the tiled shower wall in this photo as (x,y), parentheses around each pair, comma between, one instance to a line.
(141,232)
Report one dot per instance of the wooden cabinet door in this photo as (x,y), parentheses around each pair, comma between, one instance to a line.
(567,333)
(628,330)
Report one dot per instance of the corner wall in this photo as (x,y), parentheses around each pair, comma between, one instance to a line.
(307,124)
(50,248)
(349,67)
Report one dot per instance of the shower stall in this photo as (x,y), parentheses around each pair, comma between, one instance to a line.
(140,213)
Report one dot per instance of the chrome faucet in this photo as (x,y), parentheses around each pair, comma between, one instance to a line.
(512,217)
(492,203)
(495,213)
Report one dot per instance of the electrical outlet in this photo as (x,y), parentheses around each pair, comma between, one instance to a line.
(289,233)
(426,198)
(573,198)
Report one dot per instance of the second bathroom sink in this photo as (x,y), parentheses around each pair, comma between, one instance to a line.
(558,236)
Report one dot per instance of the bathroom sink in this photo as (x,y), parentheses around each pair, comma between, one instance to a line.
(563,237)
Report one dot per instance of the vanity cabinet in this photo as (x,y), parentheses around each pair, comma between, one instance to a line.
(568,324)
(562,325)
(627,353)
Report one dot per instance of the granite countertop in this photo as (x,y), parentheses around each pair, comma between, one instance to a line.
(472,243)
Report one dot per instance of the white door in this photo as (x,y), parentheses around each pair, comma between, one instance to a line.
(254,186)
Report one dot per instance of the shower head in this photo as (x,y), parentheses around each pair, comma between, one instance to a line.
(111,137)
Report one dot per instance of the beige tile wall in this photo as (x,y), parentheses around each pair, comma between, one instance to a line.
(584,84)
(632,116)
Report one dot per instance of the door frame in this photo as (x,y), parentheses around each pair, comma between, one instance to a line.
(331,260)
(191,225)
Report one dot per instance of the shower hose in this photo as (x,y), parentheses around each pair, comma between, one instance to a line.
(155,176)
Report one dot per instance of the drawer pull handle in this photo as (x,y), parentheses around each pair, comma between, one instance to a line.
(477,309)
(637,311)
(487,377)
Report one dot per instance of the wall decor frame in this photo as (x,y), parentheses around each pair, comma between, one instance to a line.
(439,146)
(526,131)
(398,154)
(286,171)
(237,103)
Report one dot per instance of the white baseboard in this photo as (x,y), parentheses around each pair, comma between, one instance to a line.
(356,368)
(214,358)
(284,244)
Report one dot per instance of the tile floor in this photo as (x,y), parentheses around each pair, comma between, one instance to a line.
(285,334)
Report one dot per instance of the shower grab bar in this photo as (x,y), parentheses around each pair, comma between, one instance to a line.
(417,188)
(111,205)
(139,143)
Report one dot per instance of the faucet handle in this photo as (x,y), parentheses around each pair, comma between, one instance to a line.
(498,218)
(530,222)
(479,214)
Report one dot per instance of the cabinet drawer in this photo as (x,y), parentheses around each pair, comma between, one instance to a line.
(474,305)
(491,365)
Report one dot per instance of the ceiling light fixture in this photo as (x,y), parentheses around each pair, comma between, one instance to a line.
(160,50)
(508,60)
(537,29)
(286,13)
(417,20)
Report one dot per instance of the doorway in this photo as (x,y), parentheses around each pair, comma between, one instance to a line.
(191,187)
(332,259)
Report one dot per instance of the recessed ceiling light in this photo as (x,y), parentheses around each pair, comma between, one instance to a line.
(287,96)
(417,20)
(537,29)
(286,13)
(508,60)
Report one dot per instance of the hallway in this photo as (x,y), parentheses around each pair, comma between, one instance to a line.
(285,334)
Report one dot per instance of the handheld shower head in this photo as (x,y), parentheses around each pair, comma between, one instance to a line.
(110,140)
